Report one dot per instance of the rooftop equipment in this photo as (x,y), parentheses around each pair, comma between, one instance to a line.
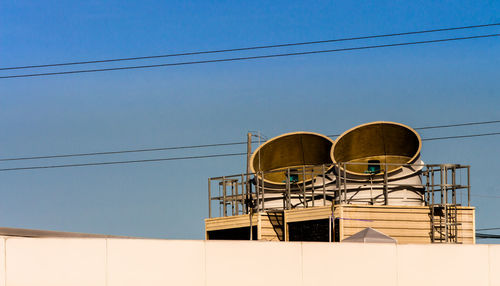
(305,186)
(380,164)
(290,151)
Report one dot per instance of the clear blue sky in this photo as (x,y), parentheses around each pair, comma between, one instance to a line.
(201,104)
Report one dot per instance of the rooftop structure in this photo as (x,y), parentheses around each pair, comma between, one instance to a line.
(304,186)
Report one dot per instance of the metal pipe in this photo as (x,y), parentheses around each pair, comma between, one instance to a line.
(288,189)
(304,186)
(314,180)
(386,196)
(242,201)
(324,189)
(249,152)
(345,183)
(453,184)
(257,191)
(337,182)
(209,199)
(329,228)
(224,209)
(468,186)
(263,194)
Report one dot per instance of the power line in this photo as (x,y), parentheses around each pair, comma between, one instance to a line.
(121,162)
(250,57)
(484,235)
(252,48)
(172,158)
(492,228)
(233,143)
(121,151)
(457,125)
(461,136)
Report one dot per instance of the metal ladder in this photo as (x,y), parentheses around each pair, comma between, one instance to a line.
(444,223)
(443,215)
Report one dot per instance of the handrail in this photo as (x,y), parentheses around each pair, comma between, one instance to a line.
(333,186)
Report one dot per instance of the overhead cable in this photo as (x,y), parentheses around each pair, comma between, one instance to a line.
(457,125)
(173,158)
(491,228)
(485,235)
(461,136)
(234,143)
(120,151)
(251,48)
(121,162)
(249,57)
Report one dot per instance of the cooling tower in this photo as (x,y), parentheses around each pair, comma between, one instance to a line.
(294,151)
(290,160)
(371,149)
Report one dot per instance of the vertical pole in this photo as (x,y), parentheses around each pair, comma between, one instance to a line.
(236,200)
(249,152)
(224,209)
(258,191)
(312,185)
(445,195)
(248,187)
(427,183)
(288,203)
(454,210)
(250,215)
(338,183)
(468,186)
(386,199)
(453,184)
(263,196)
(432,185)
(242,201)
(231,200)
(304,186)
(330,228)
(432,207)
(324,191)
(209,200)
(345,184)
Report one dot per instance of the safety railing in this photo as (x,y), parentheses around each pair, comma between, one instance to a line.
(316,185)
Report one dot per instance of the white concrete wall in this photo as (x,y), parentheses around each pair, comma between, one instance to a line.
(65,261)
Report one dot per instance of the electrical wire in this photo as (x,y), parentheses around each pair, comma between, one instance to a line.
(252,48)
(461,136)
(169,159)
(233,143)
(492,228)
(484,235)
(250,57)
(457,125)
(121,162)
(121,151)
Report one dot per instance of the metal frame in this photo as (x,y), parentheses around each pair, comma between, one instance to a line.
(438,180)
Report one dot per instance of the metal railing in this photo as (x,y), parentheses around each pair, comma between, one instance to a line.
(308,186)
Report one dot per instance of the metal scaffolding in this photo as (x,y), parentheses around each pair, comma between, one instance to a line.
(444,187)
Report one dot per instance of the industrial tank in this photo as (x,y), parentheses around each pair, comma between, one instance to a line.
(351,169)
(291,151)
(366,152)
(290,160)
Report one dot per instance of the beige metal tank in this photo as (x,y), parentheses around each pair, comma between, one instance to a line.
(385,142)
(291,150)
(366,149)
